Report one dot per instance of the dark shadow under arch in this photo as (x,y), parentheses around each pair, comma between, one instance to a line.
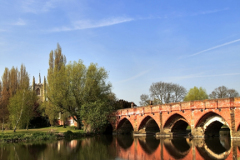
(124,126)
(148,125)
(238,129)
(212,124)
(177,123)
(108,129)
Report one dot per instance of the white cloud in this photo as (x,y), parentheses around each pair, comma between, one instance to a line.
(20,22)
(135,76)
(215,47)
(204,76)
(209,12)
(87,24)
(33,6)
(2,30)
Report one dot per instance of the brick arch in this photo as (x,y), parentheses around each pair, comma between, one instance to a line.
(206,115)
(175,118)
(145,120)
(144,117)
(121,121)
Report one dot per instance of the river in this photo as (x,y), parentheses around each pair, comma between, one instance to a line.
(122,148)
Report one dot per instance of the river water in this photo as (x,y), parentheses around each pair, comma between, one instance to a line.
(122,148)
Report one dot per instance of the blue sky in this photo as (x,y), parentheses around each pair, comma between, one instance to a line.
(191,43)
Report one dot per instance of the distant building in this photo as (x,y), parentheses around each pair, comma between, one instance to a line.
(40,88)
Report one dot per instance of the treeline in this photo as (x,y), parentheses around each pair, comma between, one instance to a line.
(17,99)
(71,89)
(162,93)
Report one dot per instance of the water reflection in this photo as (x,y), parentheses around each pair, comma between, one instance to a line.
(124,147)
(177,148)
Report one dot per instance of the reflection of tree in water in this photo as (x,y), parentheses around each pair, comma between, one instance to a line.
(215,148)
(177,147)
(88,148)
(97,149)
(21,151)
(149,144)
(125,141)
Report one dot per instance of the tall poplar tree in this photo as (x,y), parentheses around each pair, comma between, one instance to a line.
(5,97)
(22,102)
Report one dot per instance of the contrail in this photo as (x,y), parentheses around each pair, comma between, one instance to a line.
(218,46)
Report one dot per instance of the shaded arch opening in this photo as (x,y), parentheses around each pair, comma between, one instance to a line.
(213,125)
(108,129)
(148,126)
(125,126)
(238,129)
(38,91)
(178,125)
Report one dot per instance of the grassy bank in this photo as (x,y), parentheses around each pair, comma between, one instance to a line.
(48,133)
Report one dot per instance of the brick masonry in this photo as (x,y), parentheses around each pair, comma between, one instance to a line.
(194,113)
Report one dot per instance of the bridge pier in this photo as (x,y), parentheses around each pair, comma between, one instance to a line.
(197,132)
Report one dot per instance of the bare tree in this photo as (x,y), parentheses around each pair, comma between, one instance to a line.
(162,92)
(179,92)
(232,93)
(223,92)
(145,100)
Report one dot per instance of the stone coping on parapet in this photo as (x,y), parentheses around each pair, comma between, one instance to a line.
(222,103)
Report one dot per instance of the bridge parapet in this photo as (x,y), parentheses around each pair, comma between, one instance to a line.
(190,113)
(181,106)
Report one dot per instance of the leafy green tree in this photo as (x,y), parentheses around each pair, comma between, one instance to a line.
(21,108)
(9,88)
(80,91)
(196,94)
(56,86)
(97,104)
(21,103)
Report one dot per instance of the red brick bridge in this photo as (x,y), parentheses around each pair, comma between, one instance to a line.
(200,118)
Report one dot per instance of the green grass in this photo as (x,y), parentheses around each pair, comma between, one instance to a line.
(58,129)
(47,133)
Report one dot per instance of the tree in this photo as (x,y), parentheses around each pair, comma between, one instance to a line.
(1,101)
(22,102)
(97,104)
(232,93)
(5,95)
(145,100)
(162,92)
(223,92)
(196,94)
(80,91)
(56,88)
(21,108)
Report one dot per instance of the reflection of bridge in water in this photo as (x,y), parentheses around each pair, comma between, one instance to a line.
(141,148)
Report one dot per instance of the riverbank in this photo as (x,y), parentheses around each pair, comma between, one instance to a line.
(48,133)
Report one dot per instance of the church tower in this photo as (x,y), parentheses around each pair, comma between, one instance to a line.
(39,88)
